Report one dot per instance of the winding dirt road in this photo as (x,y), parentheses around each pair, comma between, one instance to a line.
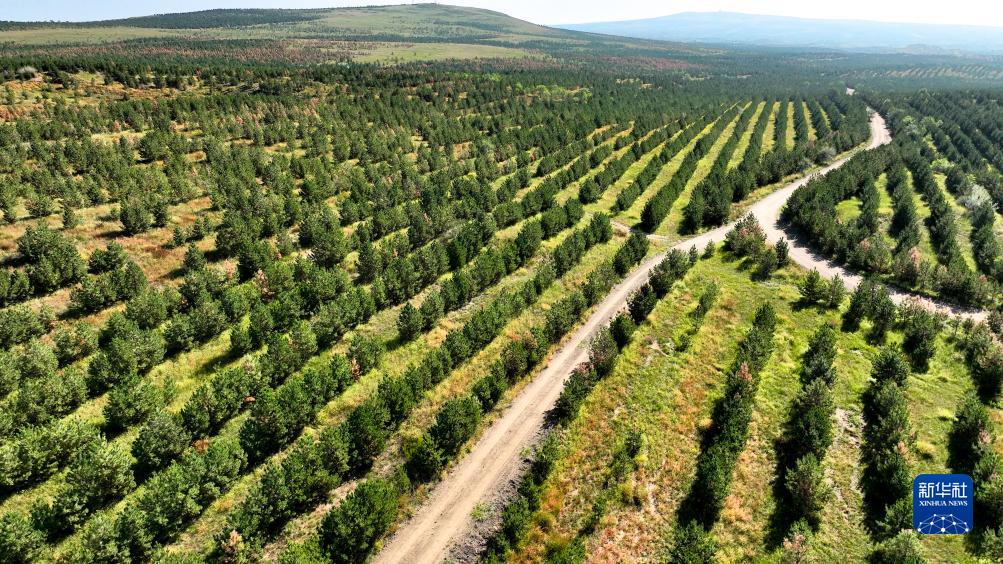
(495,459)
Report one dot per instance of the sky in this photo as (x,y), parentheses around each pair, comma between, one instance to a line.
(974,12)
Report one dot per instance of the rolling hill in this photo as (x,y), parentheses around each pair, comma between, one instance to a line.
(751,29)
(380,33)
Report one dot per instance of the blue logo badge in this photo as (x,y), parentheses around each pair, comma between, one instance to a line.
(943,504)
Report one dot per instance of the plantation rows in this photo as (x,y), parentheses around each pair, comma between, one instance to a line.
(712,198)
(294,309)
(205,318)
(839,123)
(423,463)
(279,310)
(429,453)
(255,313)
(803,493)
(891,245)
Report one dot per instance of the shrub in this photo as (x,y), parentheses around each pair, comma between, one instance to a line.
(365,353)
(883,312)
(278,415)
(159,442)
(237,301)
(135,215)
(673,267)
(817,362)
(489,389)
(813,288)
(886,418)
(898,517)
(151,307)
(174,498)
(110,258)
(904,548)
(36,361)
(603,351)
(202,323)
(99,474)
(562,315)
(886,477)
(14,286)
(766,264)
(890,365)
(36,453)
(126,352)
(992,545)
(807,489)
(40,206)
(19,541)
(54,260)
(576,388)
(796,546)
(622,328)
(987,371)
(988,492)
(328,248)
(837,292)
(367,433)
(132,534)
(286,488)
(432,309)
(409,322)
(19,324)
(9,376)
(920,336)
(425,460)
(75,342)
(44,399)
(783,250)
(515,520)
(970,436)
(809,428)
(746,238)
(455,424)
(99,543)
(217,401)
(194,259)
(632,251)
(641,302)
(860,306)
(731,421)
(133,403)
(350,531)
(692,545)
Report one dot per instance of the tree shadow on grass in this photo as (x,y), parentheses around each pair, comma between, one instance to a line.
(782,518)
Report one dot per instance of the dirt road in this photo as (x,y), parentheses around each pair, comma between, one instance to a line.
(495,458)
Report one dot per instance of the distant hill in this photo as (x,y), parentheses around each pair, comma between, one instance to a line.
(856,35)
(203,19)
(389,34)
(412,21)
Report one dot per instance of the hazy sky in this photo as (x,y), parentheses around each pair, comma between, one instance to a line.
(977,12)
